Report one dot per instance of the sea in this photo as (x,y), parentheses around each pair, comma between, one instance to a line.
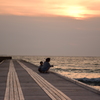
(84,69)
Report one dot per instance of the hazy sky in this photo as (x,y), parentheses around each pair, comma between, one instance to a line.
(50,27)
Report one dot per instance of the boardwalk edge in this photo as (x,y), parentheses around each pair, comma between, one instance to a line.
(78,83)
(73,80)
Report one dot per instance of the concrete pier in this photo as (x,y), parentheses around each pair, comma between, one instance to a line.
(5,58)
(20,80)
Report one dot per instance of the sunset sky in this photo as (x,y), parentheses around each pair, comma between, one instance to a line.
(72,8)
(50,27)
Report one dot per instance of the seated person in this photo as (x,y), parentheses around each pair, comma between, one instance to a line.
(41,64)
(46,66)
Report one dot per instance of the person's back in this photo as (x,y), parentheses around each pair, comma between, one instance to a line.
(46,66)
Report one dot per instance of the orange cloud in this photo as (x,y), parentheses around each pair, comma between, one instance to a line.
(93,8)
(77,8)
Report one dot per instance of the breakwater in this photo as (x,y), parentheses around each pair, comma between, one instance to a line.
(5,58)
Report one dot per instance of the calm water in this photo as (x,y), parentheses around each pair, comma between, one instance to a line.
(85,69)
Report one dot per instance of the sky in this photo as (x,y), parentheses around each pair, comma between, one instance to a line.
(50,27)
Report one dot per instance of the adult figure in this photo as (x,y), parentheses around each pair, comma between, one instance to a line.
(46,66)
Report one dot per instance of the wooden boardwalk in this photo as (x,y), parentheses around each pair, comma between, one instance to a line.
(20,80)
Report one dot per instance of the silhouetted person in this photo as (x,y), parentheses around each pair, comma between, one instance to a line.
(46,66)
(41,64)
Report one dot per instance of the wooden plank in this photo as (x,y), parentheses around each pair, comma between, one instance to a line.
(16,95)
(51,91)
(88,87)
(21,96)
(11,84)
(54,90)
(13,88)
(6,97)
(18,88)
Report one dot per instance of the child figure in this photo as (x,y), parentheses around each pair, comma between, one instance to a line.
(41,64)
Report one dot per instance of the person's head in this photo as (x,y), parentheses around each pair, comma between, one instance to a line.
(48,60)
(41,63)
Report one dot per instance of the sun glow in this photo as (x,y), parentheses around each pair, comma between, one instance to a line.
(76,11)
